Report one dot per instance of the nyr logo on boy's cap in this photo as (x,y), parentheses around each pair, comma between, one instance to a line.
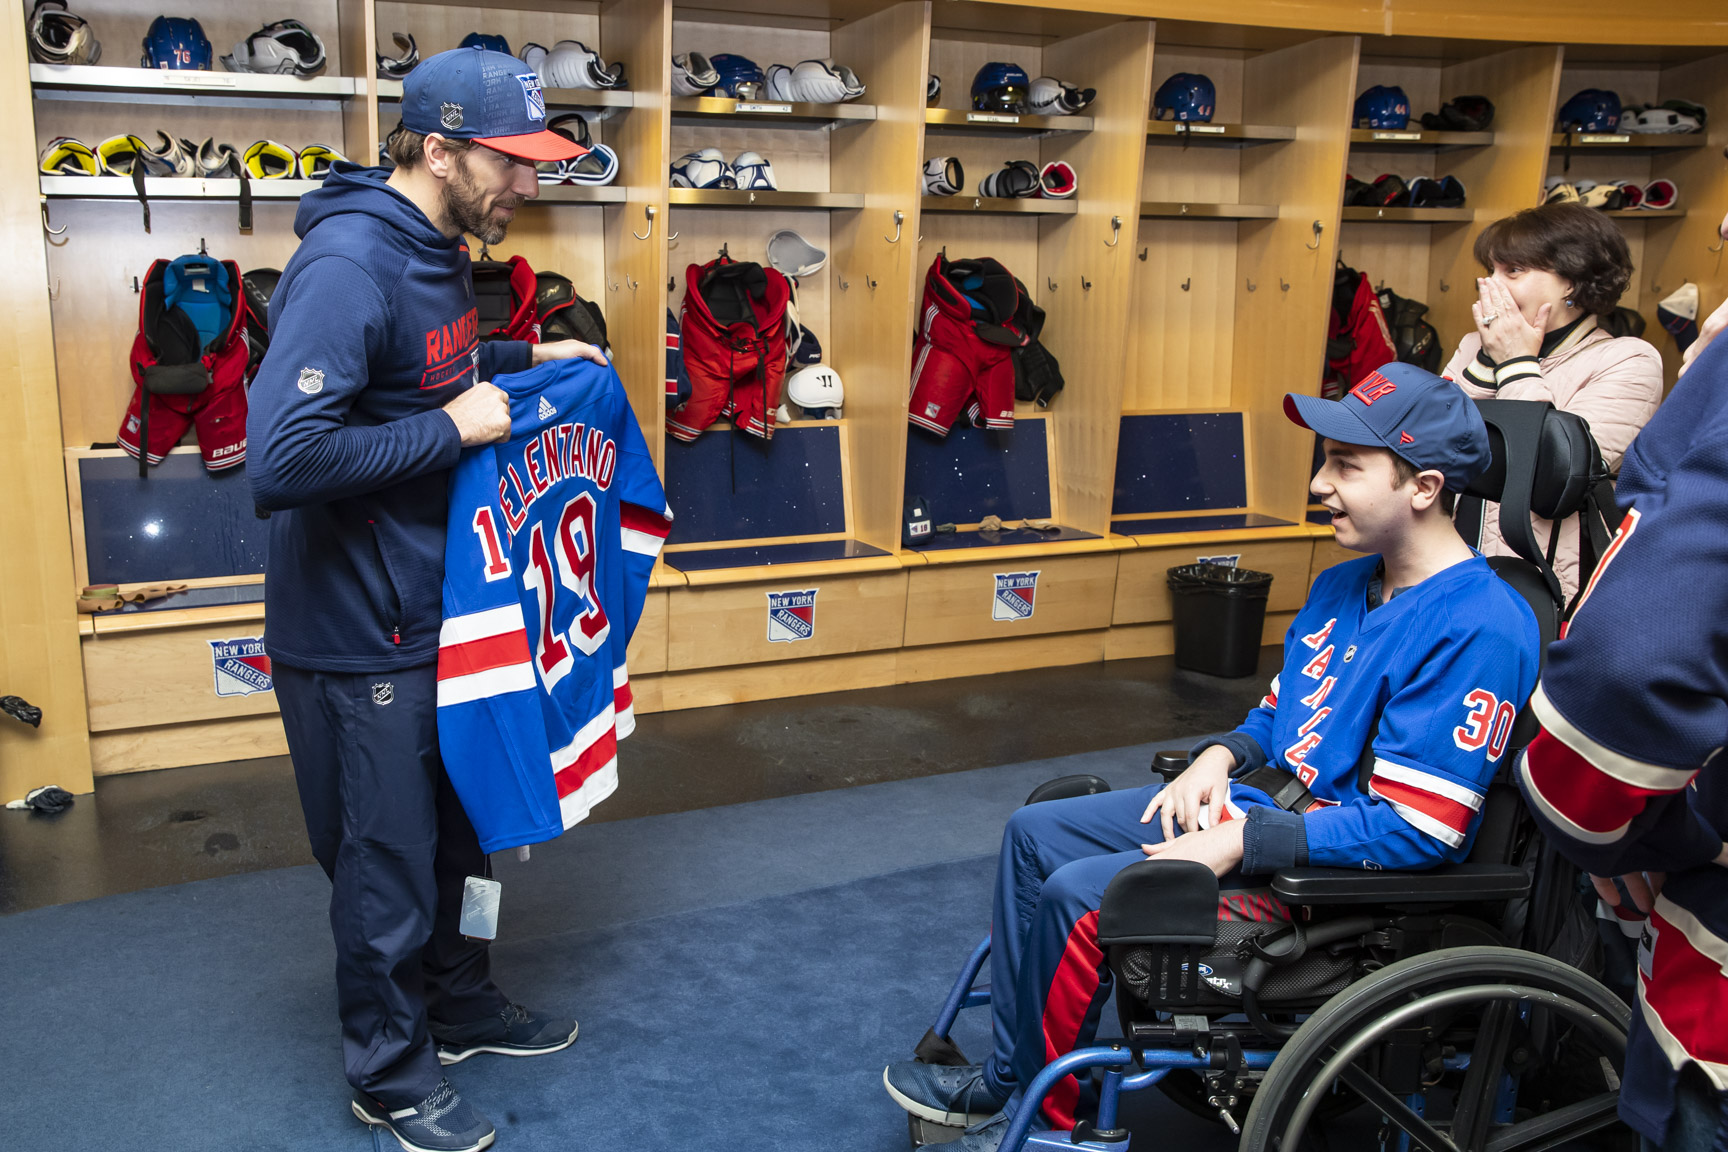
(1016,595)
(535,97)
(791,615)
(1373,386)
(240,665)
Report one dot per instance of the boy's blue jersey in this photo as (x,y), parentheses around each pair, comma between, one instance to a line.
(1435,676)
(551,541)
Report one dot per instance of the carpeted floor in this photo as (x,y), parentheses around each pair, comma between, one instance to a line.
(741,975)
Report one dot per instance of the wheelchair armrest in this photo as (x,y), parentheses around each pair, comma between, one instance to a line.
(1170,763)
(1449,883)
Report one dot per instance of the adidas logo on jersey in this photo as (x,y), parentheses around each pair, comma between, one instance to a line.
(545,411)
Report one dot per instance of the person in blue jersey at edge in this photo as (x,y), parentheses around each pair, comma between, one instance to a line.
(1626,776)
(374,383)
(1418,650)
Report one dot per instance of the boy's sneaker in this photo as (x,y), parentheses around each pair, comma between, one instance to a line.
(955,1096)
(513,1031)
(443,1122)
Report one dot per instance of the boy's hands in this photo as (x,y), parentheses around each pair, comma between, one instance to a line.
(1218,847)
(1195,799)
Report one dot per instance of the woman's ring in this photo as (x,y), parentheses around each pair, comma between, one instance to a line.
(1490,317)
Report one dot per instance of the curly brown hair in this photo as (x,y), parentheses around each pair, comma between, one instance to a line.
(406,147)
(1577,244)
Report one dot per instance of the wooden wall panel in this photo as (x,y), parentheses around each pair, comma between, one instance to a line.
(647,652)
(1143,595)
(1280,335)
(1181,339)
(163,677)
(728,624)
(1083,324)
(1328,552)
(179,745)
(871,330)
(986,657)
(439,27)
(948,603)
(1139,641)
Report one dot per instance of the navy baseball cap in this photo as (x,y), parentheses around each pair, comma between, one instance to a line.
(1426,419)
(488,97)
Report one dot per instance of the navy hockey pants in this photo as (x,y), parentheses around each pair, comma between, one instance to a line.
(387,828)
(1048,976)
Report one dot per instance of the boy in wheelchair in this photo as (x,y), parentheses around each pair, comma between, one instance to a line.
(1414,660)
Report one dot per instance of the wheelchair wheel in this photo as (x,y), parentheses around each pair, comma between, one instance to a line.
(1468,1023)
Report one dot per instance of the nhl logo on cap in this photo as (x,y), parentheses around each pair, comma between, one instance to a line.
(1015,595)
(450,115)
(241,667)
(791,615)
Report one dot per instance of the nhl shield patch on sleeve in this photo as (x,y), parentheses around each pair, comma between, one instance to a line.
(791,615)
(1016,595)
(240,665)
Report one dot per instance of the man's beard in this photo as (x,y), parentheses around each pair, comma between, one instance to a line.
(465,206)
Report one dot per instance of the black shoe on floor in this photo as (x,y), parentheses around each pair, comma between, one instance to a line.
(513,1031)
(443,1122)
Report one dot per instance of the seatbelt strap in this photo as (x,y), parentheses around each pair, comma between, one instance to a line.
(1286,791)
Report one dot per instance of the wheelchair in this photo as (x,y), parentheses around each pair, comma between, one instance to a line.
(1426,997)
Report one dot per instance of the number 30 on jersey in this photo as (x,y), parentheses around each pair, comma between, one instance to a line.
(564,564)
(1488,720)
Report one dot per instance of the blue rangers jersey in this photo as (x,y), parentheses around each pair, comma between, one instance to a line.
(1435,676)
(551,541)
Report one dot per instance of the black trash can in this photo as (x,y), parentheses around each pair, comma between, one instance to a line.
(1218,611)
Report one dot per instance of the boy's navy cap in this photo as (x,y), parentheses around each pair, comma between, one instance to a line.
(1424,418)
(487,97)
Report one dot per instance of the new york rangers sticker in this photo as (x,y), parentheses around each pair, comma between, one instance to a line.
(241,668)
(791,616)
(1016,595)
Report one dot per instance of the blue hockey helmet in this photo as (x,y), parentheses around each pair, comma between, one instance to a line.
(1000,87)
(739,76)
(1591,110)
(177,42)
(1382,106)
(487,41)
(1185,96)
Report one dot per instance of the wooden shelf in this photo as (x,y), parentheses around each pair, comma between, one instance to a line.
(1419,138)
(761,198)
(141,84)
(1629,141)
(172,188)
(1180,211)
(555,97)
(999,204)
(1409,215)
(761,111)
(960,120)
(1233,135)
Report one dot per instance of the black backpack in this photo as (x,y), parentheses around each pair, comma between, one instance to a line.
(1417,341)
(1037,373)
(566,316)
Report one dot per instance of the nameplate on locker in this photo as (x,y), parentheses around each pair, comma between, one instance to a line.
(791,616)
(1016,595)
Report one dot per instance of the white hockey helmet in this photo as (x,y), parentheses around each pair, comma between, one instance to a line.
(59,37)
(285,48)
(817,390)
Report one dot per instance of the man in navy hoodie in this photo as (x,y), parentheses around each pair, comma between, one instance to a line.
(374,383)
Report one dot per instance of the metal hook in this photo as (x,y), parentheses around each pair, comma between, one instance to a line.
(899,222)
(1445,287)
(1115,232)
(840,280)
(1085,284)
(1318,228)
(1283,284)
(1252,287)
(1143,252)
(632,282)
(61,231)
(671,285)
(870,282)
(651,210)
(1719,237)
(611,286)
(1051,283)
(673,236)
(1186,284)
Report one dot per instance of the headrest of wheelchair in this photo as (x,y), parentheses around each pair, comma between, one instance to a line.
(1160,902)
(1567,459)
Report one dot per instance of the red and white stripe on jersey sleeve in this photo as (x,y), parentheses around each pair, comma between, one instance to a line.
(1270,700)
(623,701)
(1590,792)
(1684,995)
(483,654)
(586,769)
(1428,802)
(642,530)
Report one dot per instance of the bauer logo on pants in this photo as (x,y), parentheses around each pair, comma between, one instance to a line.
(1016,593)
(241,666)
(791,615)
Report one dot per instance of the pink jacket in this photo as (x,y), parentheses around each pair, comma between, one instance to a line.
(1613,383)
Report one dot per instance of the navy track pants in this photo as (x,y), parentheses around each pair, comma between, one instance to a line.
(389,831)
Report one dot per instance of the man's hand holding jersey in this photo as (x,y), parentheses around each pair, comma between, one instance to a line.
(567,350)
(481,414)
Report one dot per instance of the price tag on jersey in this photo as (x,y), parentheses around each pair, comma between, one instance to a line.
(1206,129)
(754,106)
(1397,135)
(991,118)
(1608,138)
(479,920)
(191,79)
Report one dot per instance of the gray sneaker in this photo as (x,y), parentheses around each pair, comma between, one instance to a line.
(513,1031)
(443,1122)
(955,1096)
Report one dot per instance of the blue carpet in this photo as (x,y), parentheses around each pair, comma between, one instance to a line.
(741,975)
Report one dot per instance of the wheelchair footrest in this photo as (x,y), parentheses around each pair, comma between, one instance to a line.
(924,1131)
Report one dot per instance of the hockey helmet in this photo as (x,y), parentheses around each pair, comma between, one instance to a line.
(1000,87)
(487,41)
(1590,110)
(1186,96)
(285,48)
(176,43)
(739,76)
(817,389)
(397,66)
(59,37)
(1382,106)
